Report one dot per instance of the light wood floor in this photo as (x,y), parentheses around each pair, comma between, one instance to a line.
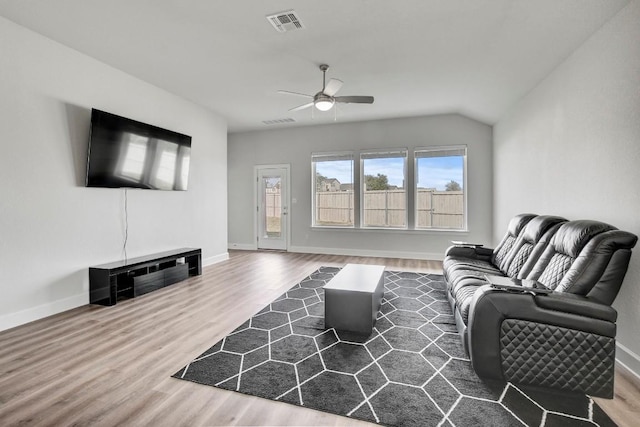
(107,366)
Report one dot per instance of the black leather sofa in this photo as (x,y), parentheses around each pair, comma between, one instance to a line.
(536,310)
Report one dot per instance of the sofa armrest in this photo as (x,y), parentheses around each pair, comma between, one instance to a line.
(577,304)
(510,284)
(558,301)
(471,252)
(559,327)
(467,244)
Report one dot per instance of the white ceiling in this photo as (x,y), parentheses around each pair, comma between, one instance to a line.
(416,57)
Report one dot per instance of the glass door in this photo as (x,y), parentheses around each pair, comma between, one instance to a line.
(272,207)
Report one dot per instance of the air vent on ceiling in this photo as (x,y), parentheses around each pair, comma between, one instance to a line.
(285,21)
(278,121)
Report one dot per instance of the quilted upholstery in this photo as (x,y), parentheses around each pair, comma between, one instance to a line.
(585,258)
(464,258)
(519,259)
(502,254)
(463,300)
(534,239)
(514,229)
(536,234)
(564,340)
(555,270)
(551,356)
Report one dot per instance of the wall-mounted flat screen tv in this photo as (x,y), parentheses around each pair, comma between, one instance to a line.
(131,154)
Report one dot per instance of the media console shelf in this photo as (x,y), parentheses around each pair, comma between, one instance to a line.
(138,276)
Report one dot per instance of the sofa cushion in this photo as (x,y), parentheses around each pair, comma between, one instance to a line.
(574,236)
(531,243)
(534,236)
(482,260)
(463,297)
(585,263)
(471,270)
(515,227)
(600,267)
(583,257)
(580,256)
(557,267)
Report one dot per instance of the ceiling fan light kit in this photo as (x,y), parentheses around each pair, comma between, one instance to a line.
(323,102)
(325,99)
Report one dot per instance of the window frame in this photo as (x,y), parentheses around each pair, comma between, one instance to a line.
(444,148)
(379,153)
(335,156)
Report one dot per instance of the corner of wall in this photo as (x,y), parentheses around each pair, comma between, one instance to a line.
(215,259)
(628,359)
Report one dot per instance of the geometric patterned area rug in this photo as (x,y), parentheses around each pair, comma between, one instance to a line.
(411,371)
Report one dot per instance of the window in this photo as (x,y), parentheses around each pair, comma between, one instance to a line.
(440,187)
(384,194)
(332,175)
(166,155)
(132,164)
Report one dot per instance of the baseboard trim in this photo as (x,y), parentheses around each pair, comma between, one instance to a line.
(28,315)
(215,259)
(628,359)
(243,246)
(367,253)
(346,252)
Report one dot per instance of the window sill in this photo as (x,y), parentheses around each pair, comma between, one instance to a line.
(392,230)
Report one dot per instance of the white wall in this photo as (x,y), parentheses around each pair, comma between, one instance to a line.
(572,148)
(52,228)
(294,146)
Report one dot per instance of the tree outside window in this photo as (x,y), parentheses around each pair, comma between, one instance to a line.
(333,204)
(384,194)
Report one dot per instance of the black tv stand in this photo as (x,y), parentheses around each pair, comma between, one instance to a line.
(138,276)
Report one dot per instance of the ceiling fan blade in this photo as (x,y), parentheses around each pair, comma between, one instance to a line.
(301,107)
(355,99)
(287,92)
(332,87)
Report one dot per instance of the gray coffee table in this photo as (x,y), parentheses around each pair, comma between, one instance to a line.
(353,297)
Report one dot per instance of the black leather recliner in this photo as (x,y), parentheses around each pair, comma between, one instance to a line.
(551,324)
(476,258)
(463,280)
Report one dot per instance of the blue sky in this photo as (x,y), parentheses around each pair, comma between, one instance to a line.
(434,172)
(393,168)
(342,170)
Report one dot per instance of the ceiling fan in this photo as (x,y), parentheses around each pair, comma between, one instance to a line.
(325,99)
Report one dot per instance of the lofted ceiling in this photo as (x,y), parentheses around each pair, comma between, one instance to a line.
(416,57)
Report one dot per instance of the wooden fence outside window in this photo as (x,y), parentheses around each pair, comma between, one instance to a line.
(385,208)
